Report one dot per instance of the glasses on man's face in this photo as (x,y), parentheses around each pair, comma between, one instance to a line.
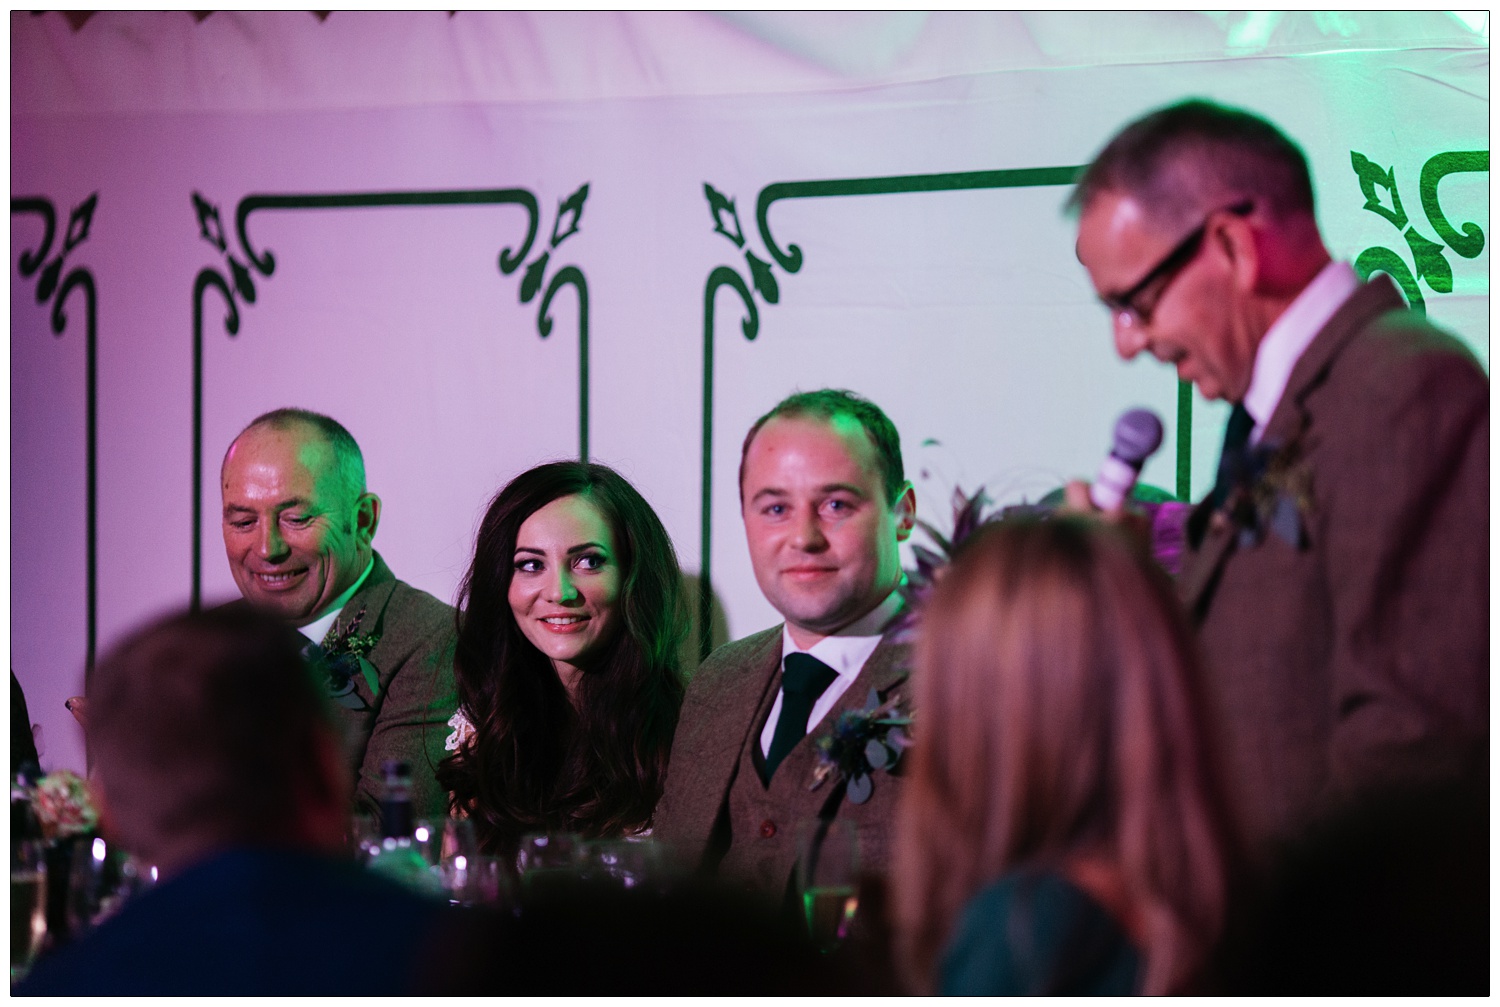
(1134,306)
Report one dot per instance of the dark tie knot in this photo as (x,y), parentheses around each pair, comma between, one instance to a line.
(805,675)
(1233,459)
(1237,431)
(803,679)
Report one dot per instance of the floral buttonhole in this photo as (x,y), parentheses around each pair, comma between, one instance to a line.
(861,743)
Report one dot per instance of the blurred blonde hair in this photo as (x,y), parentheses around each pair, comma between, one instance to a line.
(1058,715)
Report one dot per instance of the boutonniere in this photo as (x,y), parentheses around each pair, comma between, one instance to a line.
(347,639)
(62,805)
(344,648)
(861,743)
(1271,490)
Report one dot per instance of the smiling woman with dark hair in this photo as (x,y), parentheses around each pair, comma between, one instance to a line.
(567,663)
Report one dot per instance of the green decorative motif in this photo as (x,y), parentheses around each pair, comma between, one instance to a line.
(720,204)
(1470,242)
(1429,263)
(54,285)
(240,284)
(764,282)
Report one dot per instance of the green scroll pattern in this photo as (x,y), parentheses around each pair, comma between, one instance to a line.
(1429,263)
(764,282)
(236,284)
(54,284)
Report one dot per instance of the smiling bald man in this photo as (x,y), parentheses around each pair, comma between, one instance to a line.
(299,528)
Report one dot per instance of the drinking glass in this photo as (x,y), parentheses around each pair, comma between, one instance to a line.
(827,879)
(475,880)
(102,877)
(629,863)
(459,839)
(364,837)
(547,863)
(28,903)
(427,841)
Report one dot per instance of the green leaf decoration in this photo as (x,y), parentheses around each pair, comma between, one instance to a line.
(1382,260)
(765,280)
(719,205)
(877,755)
(1371,176)
(1470,241)
(209,227)
(79,221)
(1431,264)
(532,281)
(243,282)
(571,209)
(860,789)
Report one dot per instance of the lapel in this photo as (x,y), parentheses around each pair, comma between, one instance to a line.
(373,596)
(713,731)
(1287,421)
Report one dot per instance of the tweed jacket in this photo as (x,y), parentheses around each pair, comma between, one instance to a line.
(1358,657)
(722,716)
(406,716)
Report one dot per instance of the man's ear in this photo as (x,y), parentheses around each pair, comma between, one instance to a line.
(905,509)
(1235,237)
(366,518)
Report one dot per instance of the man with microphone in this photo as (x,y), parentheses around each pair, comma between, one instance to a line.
(1337,572)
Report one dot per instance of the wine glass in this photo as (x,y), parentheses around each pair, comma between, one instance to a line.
(28,903)
(547,863)
(459,839)
(364,836)
(102,877)
(629,863)
(468,877)
(475,880)
(827,879)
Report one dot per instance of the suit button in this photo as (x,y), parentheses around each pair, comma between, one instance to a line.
(767,829)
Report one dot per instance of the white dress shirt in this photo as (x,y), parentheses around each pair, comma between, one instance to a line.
(1288,337)
(846,652)
(318,628)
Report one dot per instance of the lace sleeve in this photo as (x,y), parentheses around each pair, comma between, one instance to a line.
(462,731)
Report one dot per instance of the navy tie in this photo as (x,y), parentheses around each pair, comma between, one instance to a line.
(803,681)
(1231,459)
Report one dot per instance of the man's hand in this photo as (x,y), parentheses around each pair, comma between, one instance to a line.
(1076,499)
(1078,503)
(79,708)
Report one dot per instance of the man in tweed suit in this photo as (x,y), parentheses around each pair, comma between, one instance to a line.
(298,530)
(1338,571)
(825,503)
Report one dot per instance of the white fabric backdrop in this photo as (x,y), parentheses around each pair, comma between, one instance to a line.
(963,313)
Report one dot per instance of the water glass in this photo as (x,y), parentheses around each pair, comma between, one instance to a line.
(546,863)
(629,863)
(102,877)
(459,839)
(28,904)
(828,879)
(475,880)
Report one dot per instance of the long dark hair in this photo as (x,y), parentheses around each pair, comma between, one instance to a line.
(537,762)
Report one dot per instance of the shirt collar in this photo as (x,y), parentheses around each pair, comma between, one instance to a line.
(1287,338)
(318,628)
(847,650)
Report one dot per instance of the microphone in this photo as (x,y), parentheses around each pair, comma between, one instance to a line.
(1137,436)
